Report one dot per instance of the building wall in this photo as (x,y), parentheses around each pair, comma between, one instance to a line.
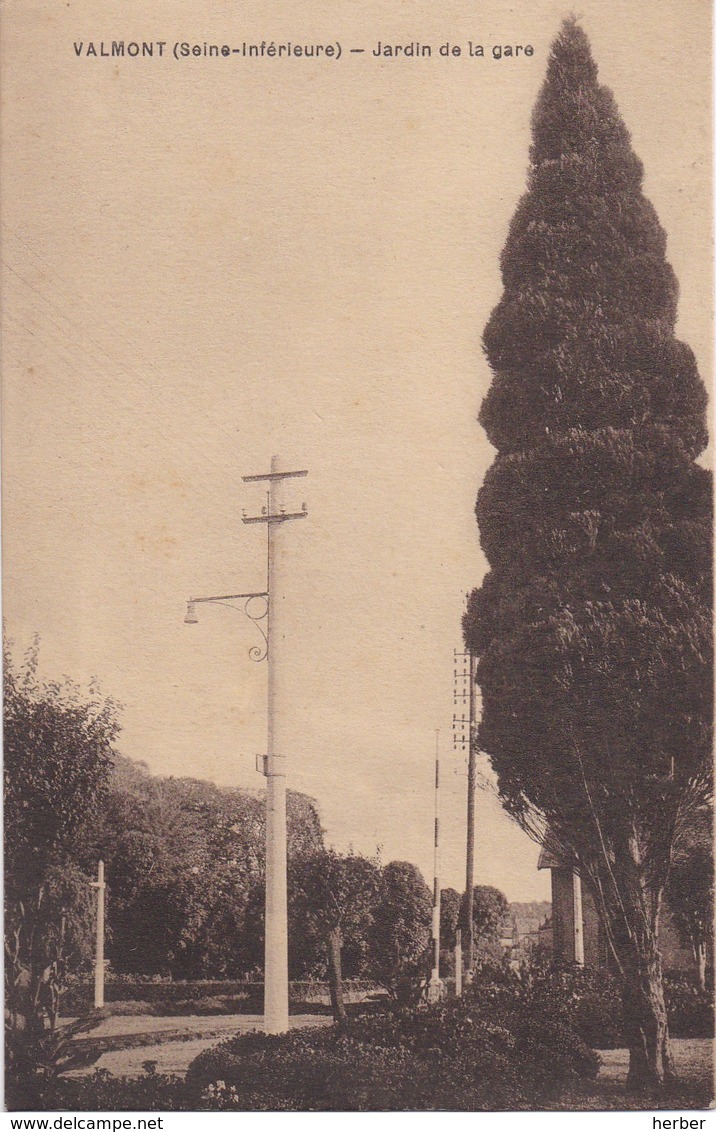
(563,914)
(546,938)
(594,950)
(673,954)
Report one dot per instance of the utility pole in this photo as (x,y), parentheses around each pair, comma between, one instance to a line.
(99,952)
(435,987)
(471,784)
(273,604)
(465,736)
(279,691)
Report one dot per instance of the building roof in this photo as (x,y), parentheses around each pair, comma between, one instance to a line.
(553,855)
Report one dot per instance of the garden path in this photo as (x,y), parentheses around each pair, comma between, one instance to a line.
(178,1039)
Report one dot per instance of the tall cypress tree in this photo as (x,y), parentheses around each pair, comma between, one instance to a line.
(593,626)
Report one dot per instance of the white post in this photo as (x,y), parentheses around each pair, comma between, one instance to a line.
(458,963)
(99,955)
(578,919)
(276,955)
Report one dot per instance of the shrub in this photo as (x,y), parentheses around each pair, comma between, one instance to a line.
(36,1059)
(245,997)
(102,1092)
(122,988)
(588,1000)
(690,1009)
(471,1054)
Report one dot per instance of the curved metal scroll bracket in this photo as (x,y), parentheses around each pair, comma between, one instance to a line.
(257,613)
(258,652)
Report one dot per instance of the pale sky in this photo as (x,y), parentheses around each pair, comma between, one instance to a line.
(206,261)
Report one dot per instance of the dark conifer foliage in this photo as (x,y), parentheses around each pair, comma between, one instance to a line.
(593,627)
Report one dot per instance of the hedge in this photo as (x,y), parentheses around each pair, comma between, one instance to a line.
(79,995)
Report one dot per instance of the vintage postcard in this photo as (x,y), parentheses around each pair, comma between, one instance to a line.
(357,542)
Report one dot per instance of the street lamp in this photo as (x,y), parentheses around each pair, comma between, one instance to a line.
(269,606)
(249,609)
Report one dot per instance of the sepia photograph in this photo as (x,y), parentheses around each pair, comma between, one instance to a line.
(357,555)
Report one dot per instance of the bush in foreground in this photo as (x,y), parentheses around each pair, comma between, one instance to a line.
(103,1092)
(455,1056)
(690,1009)
(588,1000)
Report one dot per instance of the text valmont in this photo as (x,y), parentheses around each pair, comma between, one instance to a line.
(160,48)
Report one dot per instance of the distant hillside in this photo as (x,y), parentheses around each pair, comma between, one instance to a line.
(530,916)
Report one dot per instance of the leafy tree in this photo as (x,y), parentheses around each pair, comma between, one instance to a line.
(401,930)
(58,746)
(331,898)
(450,906)
(183,859)
(489,917)
(450,921)
(690,889)
(489,920)
(593,626)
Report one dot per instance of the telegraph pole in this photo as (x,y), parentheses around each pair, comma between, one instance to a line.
(465,736)
(279,691)
(458,963)
(435,985)
(471,784)
(99,953)
(271,609)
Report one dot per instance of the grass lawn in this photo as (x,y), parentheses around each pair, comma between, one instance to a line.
(693,1058)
